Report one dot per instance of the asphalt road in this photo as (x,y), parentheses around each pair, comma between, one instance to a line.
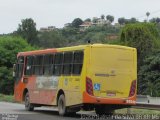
(14,111)
(10,111)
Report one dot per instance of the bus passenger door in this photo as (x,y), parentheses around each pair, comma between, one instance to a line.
(30,78)
(18,87)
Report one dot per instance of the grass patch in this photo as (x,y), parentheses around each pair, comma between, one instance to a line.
(137,111)
(6,98)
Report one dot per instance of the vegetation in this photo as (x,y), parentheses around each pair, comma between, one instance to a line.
(139,112)
(123,21)
(72,36)
(51,39)
(9,47)
(155,20)
(110,18)
(6,98)
(76,22)
(147,14)
(149,77)
(143,36)
(27,30)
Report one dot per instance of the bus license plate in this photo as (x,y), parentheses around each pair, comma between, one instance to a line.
(111,94)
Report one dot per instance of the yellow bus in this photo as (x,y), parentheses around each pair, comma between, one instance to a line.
(96,77)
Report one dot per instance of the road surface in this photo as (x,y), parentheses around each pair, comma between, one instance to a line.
(17,111)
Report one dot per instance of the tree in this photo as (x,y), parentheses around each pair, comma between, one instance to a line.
(87,20)
(133,20)
(130,21)
(52,39)
(158,20)
(76,22)
(141,36)
(94,20)
(102,17)
(147,14)
(149,77)
(27,30)
(9,47)
(153,20)
(110,18)
(145,21)
(121,21)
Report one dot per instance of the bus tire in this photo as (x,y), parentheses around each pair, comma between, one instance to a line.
(28,105)
(62,109)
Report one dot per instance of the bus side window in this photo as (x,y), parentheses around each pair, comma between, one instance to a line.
(77,62)
(19,68)
(38,65)
(58,64)
(48,64)
(28,67)
(67,63)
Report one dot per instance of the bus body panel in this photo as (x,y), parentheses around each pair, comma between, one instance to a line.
(44,89)
(112,71)
(43,92)
(71,87)
(112,68)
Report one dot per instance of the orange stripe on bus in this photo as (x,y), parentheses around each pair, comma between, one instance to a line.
(99,100)
(38,52)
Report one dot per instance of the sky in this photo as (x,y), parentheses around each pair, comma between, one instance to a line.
(58,12)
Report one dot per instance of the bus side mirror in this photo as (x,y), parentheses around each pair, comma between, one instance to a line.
(14,70)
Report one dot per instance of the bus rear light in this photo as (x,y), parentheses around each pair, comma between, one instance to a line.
(133,88)
(89,86)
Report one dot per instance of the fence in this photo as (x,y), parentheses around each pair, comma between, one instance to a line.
(147,102)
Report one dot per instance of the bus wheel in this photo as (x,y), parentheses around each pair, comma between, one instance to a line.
(62,105)
(28,105)
(102,110)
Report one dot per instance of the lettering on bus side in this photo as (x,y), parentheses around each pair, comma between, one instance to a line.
(43,82)
(104,75)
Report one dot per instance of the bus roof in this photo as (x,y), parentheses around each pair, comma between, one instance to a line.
(79,47)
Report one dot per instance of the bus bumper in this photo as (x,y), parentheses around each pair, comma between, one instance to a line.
(101,100)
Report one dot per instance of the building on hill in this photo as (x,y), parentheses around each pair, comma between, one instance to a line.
(47,29)
(99,21)
(50,28)
(67,25)
(95,22)
(85,25)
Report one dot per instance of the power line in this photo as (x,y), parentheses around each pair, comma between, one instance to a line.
(151,13)
(157,11)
